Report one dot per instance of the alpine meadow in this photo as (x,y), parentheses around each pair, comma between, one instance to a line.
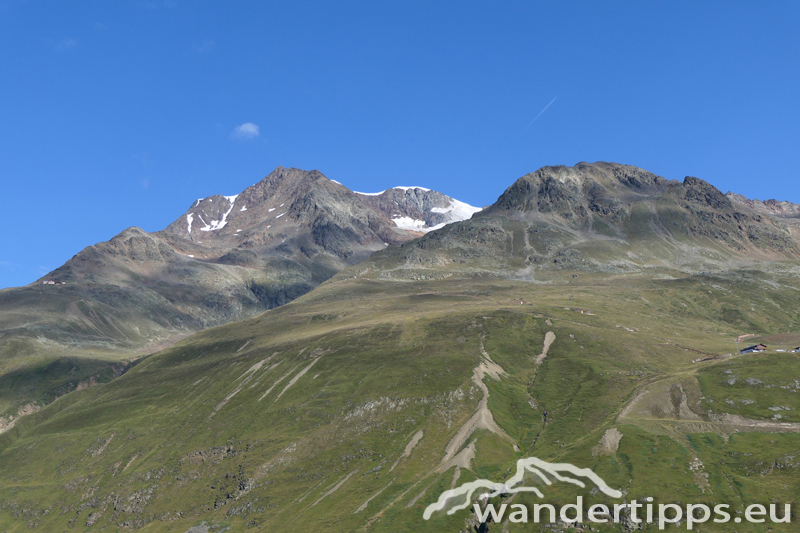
(588,316)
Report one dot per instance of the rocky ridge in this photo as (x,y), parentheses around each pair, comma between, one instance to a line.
(767,207)
(600,217)
(225,258)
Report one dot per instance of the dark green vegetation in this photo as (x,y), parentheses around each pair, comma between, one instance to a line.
(354,406)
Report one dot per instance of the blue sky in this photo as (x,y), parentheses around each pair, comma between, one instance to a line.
(118,114)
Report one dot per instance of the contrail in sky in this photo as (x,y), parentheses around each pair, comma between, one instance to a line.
(540,114)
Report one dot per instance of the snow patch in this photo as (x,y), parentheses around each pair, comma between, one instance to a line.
(219,224)
(458,210)
(279,216)
(244,208)
(198,201)
(455,212)
(270,210)
(189,219)
(409,188)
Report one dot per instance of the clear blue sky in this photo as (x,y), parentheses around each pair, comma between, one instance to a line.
(118,114)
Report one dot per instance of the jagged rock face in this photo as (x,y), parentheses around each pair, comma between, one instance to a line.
(767,207)
(589,193)
(599,217)
(289,204)
(293,209)
(699,191)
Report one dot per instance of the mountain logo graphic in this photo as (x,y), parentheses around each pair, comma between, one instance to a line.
(528,470)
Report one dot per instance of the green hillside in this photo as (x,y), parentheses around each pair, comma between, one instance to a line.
(337,410)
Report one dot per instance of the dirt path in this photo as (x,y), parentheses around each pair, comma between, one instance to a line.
(653,403)
(758,425)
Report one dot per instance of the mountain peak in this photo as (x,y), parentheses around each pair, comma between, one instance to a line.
(568,189)
(604,217)
(703,192)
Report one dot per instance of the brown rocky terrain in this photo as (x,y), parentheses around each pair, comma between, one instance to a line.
(767,207)
(600,217)
(226,258)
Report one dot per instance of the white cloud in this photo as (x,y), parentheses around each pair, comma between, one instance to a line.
(66,44)
(248,130)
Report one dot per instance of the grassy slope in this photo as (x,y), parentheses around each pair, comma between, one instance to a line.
(152,450)
(115,308)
